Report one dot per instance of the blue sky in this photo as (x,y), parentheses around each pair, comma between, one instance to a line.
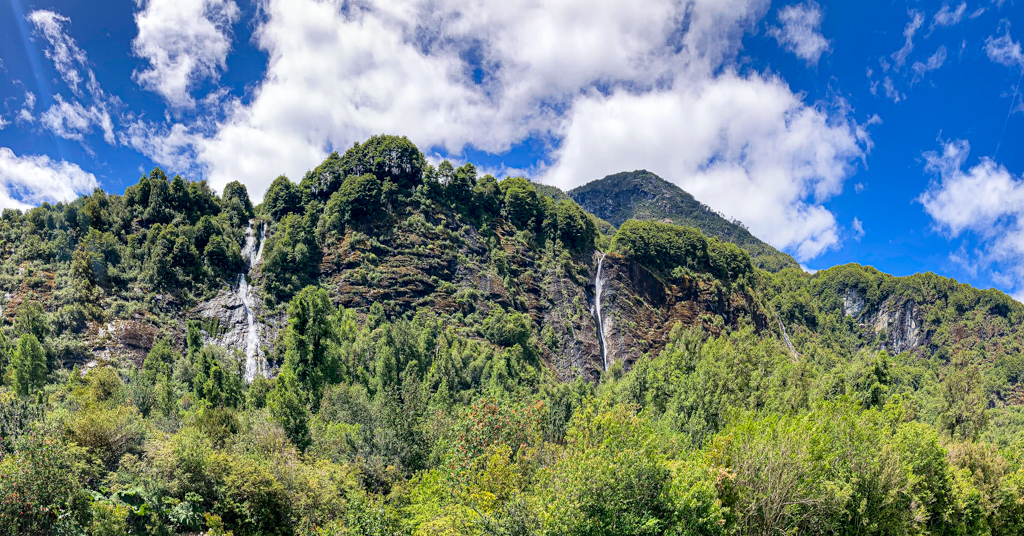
(884,133)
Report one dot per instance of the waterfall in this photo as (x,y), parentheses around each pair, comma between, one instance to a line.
(263,240)
(785,338)
(252,254)
(596,310)
(249,251)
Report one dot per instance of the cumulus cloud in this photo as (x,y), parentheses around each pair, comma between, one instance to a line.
(1004,50)
(986,201)
(948,16)
(746,146)
(450,74)
(30,180)
(800,32)
(185,42)
(73,121)
(67,58)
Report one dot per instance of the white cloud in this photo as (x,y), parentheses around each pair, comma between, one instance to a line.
(67,58)
(858,229)
(900,56)
(934,62)
(30,180)
(73,121)
(746,146)
(451,73)
(70,119)
(948,16)
(339,75)
(169,146)
(1004,50)
(891,91)
(185,42)
(986,201)
(800,32)
(4,122)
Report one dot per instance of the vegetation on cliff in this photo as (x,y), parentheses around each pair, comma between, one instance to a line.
(435,370)
(642,195)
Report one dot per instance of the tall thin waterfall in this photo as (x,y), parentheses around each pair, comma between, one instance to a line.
(596,310)
(785,338)
(263,240)
(251,253)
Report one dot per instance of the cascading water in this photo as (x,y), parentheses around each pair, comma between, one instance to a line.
(785,338)
(251,253)
(263,240)
(596,310)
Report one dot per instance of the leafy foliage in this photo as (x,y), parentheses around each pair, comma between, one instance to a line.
(417,386)
(642,195)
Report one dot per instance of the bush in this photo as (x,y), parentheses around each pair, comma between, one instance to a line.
(40,486)
(610,480)
(108,433)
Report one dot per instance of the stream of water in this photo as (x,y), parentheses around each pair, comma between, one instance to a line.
(598,319)
(251,253)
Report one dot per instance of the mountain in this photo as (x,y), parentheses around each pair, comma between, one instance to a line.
(642,195)
(391,347)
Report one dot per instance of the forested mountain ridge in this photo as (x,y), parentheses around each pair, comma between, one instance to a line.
(390,347)
(642,195)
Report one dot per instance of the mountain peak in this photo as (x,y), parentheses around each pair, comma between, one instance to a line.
(643,195)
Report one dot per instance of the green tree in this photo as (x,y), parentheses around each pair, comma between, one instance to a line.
(40,487)
(322,182)
(610,480)
(575,229)
(235,191)
(286,407)
(964,402)
(522,206)
(282,198)
(487,199)
(360,200)
(458,191)
(28,365)
(309,343)
(291,258)
(31,319)
(387,157)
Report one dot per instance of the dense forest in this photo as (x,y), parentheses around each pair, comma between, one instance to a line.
(392,347)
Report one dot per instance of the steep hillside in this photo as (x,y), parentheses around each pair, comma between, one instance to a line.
(387,347)
(642,195)
(932,321)
(115,274)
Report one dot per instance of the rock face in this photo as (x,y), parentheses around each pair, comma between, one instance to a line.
(121,339)
(853,303)
(237,312)
(453,269)
(901,323)
(640,310)
(897,322)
